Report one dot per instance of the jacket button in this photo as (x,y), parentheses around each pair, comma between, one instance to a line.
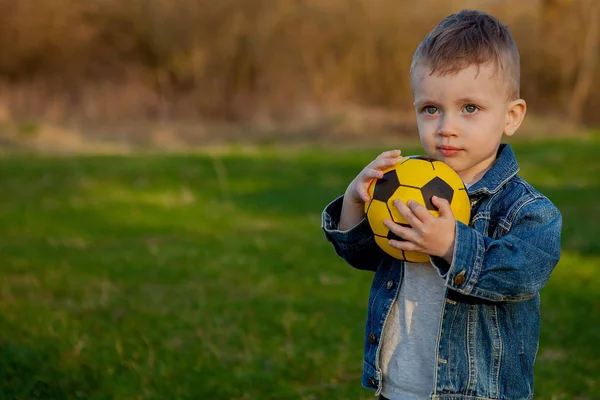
(390,284)
(373,382)
(372,338)
(459,279)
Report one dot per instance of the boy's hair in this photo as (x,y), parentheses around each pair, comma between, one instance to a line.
(467,38)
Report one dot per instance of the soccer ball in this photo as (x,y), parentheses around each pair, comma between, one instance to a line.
(413,178)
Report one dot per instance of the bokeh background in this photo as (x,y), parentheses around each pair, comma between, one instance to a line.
(164,164)
(295,69)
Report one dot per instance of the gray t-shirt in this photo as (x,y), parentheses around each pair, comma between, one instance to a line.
(409,340)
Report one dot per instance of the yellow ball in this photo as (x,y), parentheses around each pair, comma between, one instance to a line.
(413,178)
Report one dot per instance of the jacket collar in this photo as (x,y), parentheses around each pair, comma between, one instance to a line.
(505,168)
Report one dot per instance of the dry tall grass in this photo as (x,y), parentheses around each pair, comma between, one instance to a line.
(261,59)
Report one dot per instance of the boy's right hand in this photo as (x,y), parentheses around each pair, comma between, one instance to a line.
(357,193)
(358,190)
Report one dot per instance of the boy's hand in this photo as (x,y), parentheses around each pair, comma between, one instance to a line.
(429,234)
(357,193)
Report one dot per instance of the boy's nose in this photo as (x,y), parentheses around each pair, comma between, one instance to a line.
(446,127)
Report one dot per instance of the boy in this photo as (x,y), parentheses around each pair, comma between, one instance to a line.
(466,324)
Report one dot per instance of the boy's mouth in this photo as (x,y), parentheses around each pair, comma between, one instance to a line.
(449,151)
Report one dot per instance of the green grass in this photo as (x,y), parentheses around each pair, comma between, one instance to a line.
(208,276)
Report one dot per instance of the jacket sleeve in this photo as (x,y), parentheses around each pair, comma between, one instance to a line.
(513,267)
(356,245)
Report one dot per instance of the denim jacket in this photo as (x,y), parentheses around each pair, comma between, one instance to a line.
(490,318)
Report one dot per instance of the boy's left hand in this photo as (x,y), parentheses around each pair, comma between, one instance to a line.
(429,234)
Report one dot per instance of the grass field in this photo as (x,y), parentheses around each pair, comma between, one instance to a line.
(207,276)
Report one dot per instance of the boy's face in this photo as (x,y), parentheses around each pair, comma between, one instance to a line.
(462,117)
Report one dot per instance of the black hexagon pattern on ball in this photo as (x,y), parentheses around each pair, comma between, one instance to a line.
(386,186)
(436,187)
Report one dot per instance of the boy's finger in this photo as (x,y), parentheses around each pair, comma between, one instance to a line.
(408,234)
(404,232)
(443,206)
(364,195)
(404,245)
(373,173)
(408,214)
(384,163)
(367,176)
(421,212)
(390,153)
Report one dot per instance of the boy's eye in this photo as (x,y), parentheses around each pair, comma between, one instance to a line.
(430,110)
(471,109)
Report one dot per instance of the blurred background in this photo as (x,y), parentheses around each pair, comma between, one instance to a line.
(193,72)
(164,165)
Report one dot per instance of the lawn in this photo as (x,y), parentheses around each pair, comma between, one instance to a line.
(207,276)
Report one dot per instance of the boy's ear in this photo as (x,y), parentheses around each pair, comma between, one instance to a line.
(514,116)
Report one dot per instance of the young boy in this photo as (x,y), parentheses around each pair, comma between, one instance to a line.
(466,324)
